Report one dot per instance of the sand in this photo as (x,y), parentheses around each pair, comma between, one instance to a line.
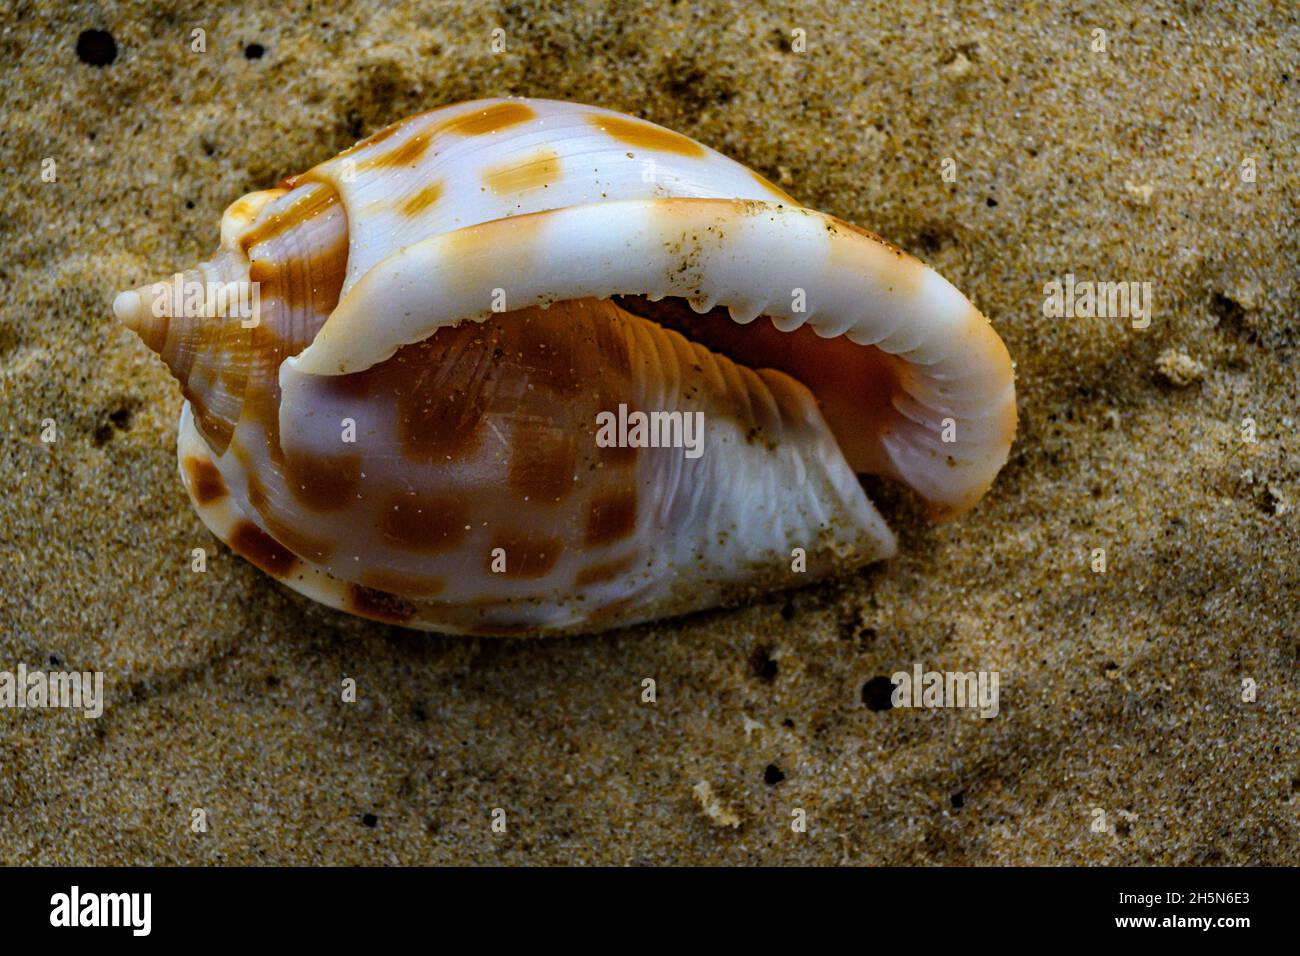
(1121,692)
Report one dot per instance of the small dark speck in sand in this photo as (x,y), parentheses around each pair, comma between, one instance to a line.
(96,47)
(764,666)
(878,693)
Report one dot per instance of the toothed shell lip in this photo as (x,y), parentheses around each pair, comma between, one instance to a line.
(745,254)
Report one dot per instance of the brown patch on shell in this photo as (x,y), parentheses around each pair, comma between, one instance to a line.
(206,482)
(299,285)
(440,424)
(323,483)
(314,202)
(252,543)
(543,464)
(520,175)
(379,605)
(527,556)
(611,517)
(645,135)
(440,394)
(490,119)
(424,524)
(216,429)
(551,357)
(421,200)
(405,154)
(299,542)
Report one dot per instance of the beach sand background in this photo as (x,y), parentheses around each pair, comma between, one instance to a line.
(1120,692)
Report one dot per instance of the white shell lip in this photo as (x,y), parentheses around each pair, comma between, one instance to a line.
(747,254)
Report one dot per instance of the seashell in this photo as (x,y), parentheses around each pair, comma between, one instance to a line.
(429,417)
